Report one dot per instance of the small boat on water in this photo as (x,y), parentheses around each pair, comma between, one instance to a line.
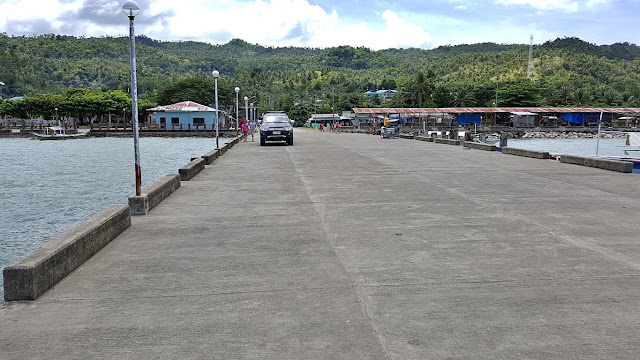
(56,133)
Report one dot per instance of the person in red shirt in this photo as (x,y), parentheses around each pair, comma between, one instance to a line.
(245,127)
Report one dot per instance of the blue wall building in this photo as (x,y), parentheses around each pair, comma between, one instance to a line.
(188,115)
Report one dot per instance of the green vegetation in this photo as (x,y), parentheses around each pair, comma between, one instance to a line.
(567,72)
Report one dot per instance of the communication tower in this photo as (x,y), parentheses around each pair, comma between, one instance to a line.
(530,69)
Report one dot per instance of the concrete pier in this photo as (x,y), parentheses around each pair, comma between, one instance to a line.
(349,246)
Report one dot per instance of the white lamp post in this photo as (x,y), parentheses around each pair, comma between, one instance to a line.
(253,114)
(237,89)
(57,116)
(215,74)
(246,108)
(131,9)
(3,85)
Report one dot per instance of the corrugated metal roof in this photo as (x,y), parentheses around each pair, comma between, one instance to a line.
(476,110)
(188,106)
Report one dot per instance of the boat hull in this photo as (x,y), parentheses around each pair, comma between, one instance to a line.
(58,136)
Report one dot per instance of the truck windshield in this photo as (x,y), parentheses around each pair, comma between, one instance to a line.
(276,119)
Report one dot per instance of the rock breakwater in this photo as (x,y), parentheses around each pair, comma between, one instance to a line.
(569,135)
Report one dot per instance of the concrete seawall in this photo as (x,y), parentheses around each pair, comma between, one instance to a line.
(526,153)
(223,149)
(448,141)
(211,156)
(153,194)
(612,165)
(39,271)
(479,146)
(424,138)
(188,171)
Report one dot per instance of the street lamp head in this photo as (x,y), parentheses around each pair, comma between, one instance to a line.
(237,89)
(246,98)
(130,8)
(215,73)
(251,104)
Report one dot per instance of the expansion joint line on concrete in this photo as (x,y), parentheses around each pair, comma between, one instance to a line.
(333,249)
(584,244)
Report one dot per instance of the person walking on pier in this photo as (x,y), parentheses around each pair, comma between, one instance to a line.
(252,128)
(245,127)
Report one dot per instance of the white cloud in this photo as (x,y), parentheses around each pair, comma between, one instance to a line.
(266,22)
(566,5)
(286,23)
(22,10)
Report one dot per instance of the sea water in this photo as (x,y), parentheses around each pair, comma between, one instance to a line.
(48,187)
(581,146)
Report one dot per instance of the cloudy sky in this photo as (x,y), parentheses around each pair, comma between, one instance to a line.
(377,24)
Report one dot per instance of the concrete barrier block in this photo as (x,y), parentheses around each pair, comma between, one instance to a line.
(211,156)
(480,146)
(406,136)
(223,149)
(612,165)
(424,138)
(448,141)
(34,274)
(153,194)
(139,205)
(187,172)
(526,153)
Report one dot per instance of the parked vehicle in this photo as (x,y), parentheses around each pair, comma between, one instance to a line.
(391,129)
(276,127)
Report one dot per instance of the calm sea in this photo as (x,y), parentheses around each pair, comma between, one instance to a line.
(47,187)
(608,147)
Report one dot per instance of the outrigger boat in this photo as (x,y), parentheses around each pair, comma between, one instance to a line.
(56,133)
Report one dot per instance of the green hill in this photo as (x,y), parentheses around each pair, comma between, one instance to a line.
(567,71)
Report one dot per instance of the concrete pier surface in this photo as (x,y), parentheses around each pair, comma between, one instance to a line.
(348,246)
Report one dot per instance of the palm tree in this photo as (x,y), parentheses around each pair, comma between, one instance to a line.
(581,96)
(418,90)
(463,96)
(562,95)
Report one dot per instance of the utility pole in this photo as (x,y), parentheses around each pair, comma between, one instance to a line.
(530,68)
(333,93)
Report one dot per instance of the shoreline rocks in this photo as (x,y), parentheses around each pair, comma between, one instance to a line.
(568,135)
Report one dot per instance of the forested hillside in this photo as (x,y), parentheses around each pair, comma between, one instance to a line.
(567,71)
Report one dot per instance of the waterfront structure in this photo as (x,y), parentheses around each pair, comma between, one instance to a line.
(571,115)
(523,118)
(316,119)
(186,115)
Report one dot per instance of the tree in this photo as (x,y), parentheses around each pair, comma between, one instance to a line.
(521,92)
(197,89)
(301,112)
(581,96)
(462,95)
(418,91)
(388,84)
